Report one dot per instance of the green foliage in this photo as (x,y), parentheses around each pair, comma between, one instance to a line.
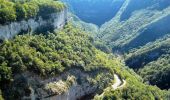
(31,9)
(88,27)
(69,48)
(21,12)
(24,9)
(101,46)
(6,74)
(134,90)
(132,27)
(50,7)
(152,61)
(7,12)
(157,72)
(134,32)
(1,98)
(48,55)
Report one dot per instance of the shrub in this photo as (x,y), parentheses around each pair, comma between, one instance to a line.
(7,14)
(6,73)
(20,11)
(31,9)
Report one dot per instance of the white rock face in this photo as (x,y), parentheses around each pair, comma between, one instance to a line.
(76,92)
(55,20)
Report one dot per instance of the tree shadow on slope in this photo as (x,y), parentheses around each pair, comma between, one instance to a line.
(95,11)
(153,32)
(135,5)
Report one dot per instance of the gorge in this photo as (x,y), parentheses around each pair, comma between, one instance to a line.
(138,31)
(84,49)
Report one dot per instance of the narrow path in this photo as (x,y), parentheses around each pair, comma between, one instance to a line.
(118,82)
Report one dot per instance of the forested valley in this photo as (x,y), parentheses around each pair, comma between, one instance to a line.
(91,50)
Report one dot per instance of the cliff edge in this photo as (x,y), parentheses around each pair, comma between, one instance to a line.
(39,24)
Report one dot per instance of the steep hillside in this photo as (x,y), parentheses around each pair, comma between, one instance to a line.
(90,28)
(95,11)
(148,53)
(157,72)
(140,32)
(68,63)
(52,66)
(137,23)
(152,61)
(46,58)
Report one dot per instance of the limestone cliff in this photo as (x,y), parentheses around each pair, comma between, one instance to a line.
(39,24)
(71,85)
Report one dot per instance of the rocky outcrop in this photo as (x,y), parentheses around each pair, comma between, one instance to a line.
(39,24)
(80,87)
(76,92)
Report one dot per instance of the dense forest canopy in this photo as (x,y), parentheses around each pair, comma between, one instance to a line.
(137,37)
(52,54)
(152,62)
(140,33)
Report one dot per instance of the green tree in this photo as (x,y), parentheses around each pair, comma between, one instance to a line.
(6,74)
(7,14)
(20,11)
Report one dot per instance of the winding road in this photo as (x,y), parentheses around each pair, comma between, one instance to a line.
(118,82)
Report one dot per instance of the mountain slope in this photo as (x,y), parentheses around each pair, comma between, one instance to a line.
(95,11)
(55,64)
(90,28)
(65,64)
(140,32)
(133,23)
(152,61)
(34,61)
